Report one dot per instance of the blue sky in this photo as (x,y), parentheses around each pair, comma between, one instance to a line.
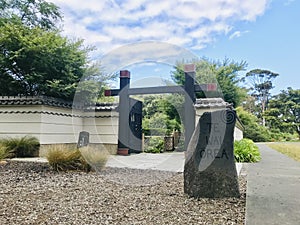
(271,42)
(263,33)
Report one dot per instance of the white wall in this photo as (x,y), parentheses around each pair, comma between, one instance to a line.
(238,130)
(102,126)
(13,123)
(238,134)
(56,125)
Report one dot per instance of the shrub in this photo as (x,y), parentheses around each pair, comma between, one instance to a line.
(180,146)
(22,147)
(95,157)
(63,158)
(155,131)
(277,135)
(4,152)
(246,151)
(253,130)
(154,145)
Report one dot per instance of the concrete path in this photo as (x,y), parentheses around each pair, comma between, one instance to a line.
(173,161)
(273,189)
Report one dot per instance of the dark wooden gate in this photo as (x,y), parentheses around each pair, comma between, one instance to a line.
(135,125)
(130,139)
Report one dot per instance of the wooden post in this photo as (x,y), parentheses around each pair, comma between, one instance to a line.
(190,99)
(123,140)
(143,142)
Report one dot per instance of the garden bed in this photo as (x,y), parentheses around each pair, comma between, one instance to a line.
(30,193)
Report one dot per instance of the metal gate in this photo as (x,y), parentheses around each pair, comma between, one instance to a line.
(135,124)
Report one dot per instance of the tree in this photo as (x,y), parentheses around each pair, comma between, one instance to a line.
(253,130)
(284,111)
(93,85)
(249,104)
(39,62)
(36,60)
(32,13)
(225,74)
(160,115)
(260,82)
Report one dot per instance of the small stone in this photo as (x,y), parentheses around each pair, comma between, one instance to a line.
(46,201)
(3,162)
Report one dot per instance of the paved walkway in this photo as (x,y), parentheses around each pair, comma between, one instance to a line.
(173,161)
(273,189)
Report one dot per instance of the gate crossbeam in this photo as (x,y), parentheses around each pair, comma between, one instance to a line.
(189,90)
(163,90)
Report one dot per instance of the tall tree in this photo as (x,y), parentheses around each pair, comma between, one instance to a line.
(284,111)
(93,85)
(260,82)
(32,13)
(253,130)
(34,61)
(224,73)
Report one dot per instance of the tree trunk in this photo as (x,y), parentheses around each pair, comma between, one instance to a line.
(263,111)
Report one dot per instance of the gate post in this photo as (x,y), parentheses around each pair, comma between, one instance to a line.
(123,140)
(190,99)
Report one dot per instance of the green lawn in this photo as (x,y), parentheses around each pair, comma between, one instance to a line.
(291,149)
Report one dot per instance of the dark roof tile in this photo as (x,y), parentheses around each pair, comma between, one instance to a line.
(50,101)
(212,103)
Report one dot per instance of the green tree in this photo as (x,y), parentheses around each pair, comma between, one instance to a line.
(93,85)
(161,113)
(32,13)
(249,104)
(253,130)
(39,62)
(260,82)
(225,74)
(284,111)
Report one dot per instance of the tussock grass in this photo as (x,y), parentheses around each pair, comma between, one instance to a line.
(26,146)
(290,149)
(64,158)
(95,157)
(4,152)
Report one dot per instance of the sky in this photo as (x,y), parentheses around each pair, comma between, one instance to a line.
(263,33)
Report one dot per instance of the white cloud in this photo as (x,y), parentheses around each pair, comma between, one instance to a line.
(193,24)
(237,34)
(141,52)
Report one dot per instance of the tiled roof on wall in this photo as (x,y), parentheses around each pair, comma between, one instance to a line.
(104,106)
(34,100)
(212,103)
(215,103)
(50,101)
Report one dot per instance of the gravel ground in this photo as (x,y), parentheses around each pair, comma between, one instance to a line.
(30,193)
